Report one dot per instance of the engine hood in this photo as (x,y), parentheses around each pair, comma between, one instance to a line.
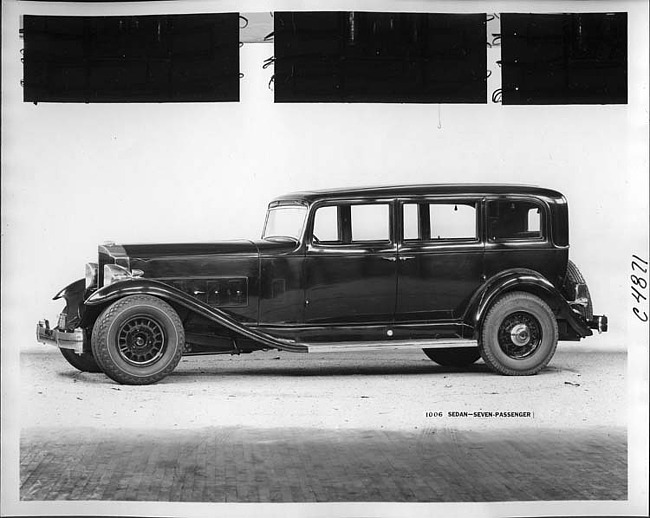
(178,250)
(148,251)
(192,260)
(221,274)
(183,260)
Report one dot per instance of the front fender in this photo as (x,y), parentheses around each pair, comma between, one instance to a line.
(73,294)
(164,291)
(521,279)
(75,289)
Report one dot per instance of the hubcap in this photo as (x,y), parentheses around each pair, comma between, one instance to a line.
(519,335)
(141,341)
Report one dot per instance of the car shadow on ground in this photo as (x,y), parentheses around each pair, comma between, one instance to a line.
(319,368)
(290,371)
(333,370)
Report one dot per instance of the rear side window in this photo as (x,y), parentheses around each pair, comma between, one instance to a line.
(370,223)
(427,221)
(515,220)
(452,221)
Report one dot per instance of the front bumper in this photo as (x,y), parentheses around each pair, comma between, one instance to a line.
(62,339)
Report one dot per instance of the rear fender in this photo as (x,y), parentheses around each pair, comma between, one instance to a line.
(521,279)
(108,294)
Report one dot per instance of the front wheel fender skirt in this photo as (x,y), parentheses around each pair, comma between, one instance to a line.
(521,279)
(166,292)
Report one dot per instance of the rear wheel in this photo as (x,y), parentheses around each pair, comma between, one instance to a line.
(138,340)
(519,335)
(84,362)
(453,356)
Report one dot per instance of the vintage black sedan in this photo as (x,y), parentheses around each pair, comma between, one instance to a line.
(461,271)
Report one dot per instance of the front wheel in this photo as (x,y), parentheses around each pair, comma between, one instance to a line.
(138,340)
(519,335)
(453,356)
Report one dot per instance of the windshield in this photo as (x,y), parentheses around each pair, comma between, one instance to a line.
(285,221)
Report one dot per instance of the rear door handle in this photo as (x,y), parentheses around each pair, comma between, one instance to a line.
(390,258)
(406,257)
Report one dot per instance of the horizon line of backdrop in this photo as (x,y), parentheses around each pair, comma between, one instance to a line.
(75,175)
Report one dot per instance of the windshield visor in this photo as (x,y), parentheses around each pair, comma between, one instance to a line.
(285,221)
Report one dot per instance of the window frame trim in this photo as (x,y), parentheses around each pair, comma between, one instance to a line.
(440,200)
(545,223)
(391,242)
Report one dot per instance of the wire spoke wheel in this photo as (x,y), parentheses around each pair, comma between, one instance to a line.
(138,340)
(141,340)
(519,335)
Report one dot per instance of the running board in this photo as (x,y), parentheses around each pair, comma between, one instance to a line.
(390,345)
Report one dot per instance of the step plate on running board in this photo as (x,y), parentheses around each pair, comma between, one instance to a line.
(389,345)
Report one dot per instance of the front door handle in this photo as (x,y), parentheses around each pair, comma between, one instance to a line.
(406,257)
(390,258)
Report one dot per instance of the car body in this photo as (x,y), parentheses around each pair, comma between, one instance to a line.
(461,271)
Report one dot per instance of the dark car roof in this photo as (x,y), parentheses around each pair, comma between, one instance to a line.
(421,190)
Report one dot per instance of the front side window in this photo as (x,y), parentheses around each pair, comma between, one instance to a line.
(433,221)
(285,221)
(514,220)
(326,225)
(351,223)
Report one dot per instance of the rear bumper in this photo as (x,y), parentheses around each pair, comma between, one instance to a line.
(598,322)
(62,339)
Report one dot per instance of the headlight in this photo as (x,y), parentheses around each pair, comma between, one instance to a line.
(114,273)
(91,275)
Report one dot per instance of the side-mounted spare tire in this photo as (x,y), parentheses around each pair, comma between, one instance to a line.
(453,356)
(138,340)
(573,277)
(519,335)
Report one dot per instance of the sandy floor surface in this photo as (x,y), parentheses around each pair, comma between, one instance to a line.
(398,391)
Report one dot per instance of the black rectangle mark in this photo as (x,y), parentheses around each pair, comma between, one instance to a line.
(570,58)
(380,57)
(161,58)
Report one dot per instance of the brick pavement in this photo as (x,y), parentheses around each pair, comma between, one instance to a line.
(307,465)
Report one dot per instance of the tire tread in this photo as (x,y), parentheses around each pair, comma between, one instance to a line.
(574,276)
(99,336)
(486,353)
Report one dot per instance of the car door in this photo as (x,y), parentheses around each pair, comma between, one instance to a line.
(519,234)
(440,258)
(350,263)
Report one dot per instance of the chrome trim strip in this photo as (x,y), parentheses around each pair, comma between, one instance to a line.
(582,301)
(346,326)
(390,345)
(602,323)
